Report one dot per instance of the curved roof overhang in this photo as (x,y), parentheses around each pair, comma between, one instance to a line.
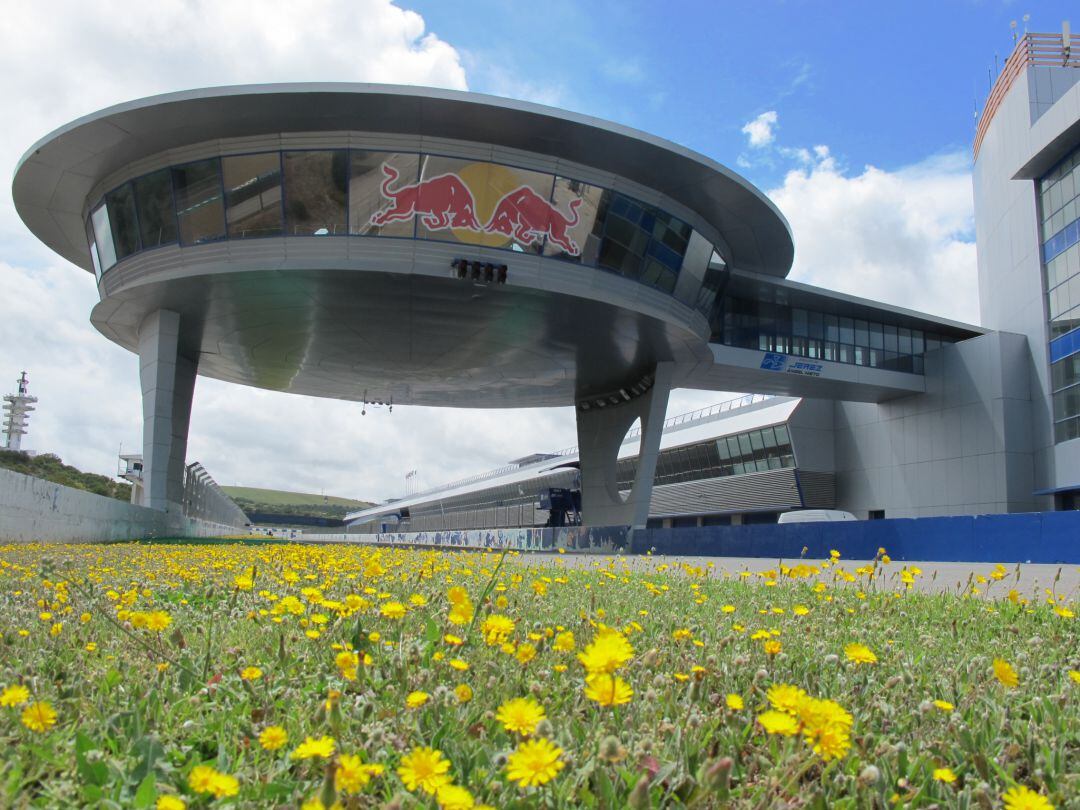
(54,178)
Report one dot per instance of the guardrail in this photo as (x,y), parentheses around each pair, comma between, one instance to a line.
(1031,49)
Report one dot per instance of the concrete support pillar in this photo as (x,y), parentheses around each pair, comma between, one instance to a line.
(168,384)
(600,435)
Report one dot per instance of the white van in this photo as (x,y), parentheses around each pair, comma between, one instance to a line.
(815,516)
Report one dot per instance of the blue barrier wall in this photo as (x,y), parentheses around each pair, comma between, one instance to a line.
(1040,537)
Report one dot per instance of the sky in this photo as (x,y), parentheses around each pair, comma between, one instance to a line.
(856,118)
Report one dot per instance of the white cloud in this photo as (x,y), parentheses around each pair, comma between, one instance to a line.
(759,132)
(904,237)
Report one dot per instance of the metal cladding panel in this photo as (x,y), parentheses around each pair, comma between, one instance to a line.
(772,490)
(818,489)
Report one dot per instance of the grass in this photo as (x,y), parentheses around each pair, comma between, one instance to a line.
(167,664)
(280,497)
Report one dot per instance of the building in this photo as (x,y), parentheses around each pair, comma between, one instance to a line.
(1027,210)
(396,245)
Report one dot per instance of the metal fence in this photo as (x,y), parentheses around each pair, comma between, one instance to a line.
(205,500)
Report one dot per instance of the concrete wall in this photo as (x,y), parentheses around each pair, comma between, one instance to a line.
(35,510)
(957,450)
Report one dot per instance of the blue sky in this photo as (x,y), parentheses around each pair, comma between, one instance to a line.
(882,83)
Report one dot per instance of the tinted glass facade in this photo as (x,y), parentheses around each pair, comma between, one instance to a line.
(767,448)
(1059,210)
(341,192)
(771,327)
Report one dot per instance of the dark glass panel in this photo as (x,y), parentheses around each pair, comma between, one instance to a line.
(862,333)
(154,204)
(200,211)
(125,228)
(315,193)
(892,341)
(877,336)
(252,195)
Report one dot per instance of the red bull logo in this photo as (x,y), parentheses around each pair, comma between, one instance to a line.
(446,202)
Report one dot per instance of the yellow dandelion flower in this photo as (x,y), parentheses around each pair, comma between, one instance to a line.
(497,629)
(14,695)
(424,768)
(463,692)
(944,775)
(272,738)
(775,722)
(453,797)
(311,748)
(520,715)
(734,702)
(609,651)
(860,654)
(944,705)
(608,690)
(535,762)
(170,803)
(251,673)
(1022,798)
(414,700)
(1074,676)
(772,647)
(1005,673)
(39,716)
(564,642)
(353,774)
(392,610)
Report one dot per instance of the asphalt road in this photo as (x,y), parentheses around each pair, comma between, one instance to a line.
(937,577)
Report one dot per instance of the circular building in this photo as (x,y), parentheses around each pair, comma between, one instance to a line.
(401,245)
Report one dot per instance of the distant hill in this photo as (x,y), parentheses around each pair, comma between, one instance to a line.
(51,468)
(283,502)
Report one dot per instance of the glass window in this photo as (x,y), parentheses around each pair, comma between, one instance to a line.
(832,329)
(93,247)
(200,211)
(252,195)
(892,341)
(877,336)
(782,437)
(315,193)
(379,184)
(862,333)
(745,450)
(816,323)
(847,331)
(125,229)
(799,324)
(578,206)
(624,227)
(154,204)
(103,237)
(918,345)
(905,340)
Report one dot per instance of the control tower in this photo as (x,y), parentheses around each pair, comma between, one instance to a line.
(16,409)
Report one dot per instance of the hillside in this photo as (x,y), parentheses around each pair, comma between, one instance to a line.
(51,468)
(283,502)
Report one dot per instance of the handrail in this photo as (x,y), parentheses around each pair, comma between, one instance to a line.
(1031,49)
(681,420)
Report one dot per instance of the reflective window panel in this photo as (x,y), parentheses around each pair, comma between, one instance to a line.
(315,192)
(103,236)
(125,230)
(154,205)
(575,206)
(200,212)
(252,195)
(381,187)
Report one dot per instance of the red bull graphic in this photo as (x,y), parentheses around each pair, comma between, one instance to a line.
(528,217)
(441,202)
(445,202)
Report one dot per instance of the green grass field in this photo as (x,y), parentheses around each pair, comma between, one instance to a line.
(279,497)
